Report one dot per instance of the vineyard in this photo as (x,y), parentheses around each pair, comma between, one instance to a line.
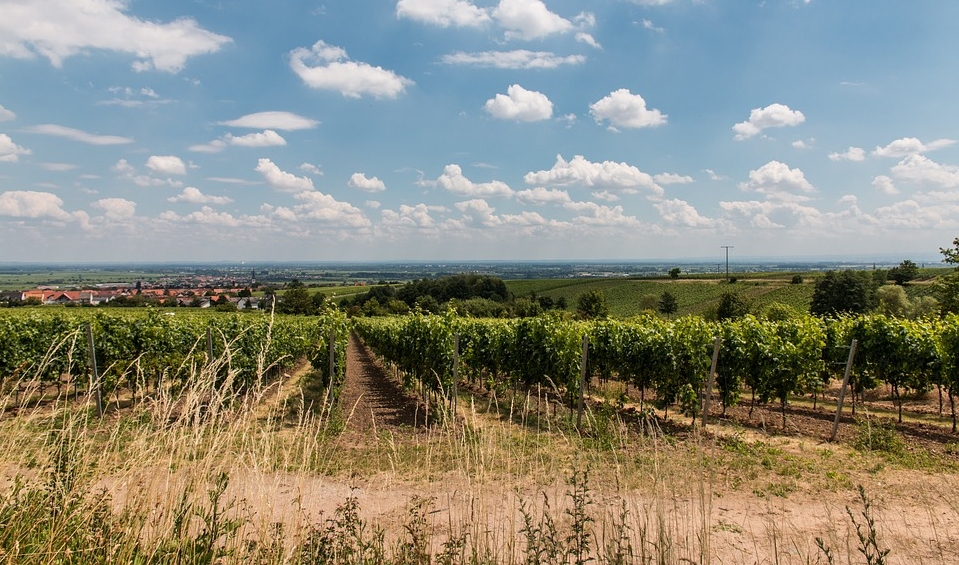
(766,360)
(153,350)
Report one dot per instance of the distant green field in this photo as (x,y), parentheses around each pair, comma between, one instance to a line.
(625,296)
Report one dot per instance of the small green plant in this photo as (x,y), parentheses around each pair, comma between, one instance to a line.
(580,539)
(866,532)
(873,435)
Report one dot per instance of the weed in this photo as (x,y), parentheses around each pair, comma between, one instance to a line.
(866,532)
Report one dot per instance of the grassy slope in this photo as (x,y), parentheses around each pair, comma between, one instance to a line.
(694,296)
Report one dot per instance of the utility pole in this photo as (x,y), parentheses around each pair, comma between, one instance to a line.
(727,248)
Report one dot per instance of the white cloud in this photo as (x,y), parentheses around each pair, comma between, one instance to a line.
(851,154)
(286,121)
(517,59)
(776,180)
(681,213)
(607,174)
(624,109)
(588,39)
(57,29)
(312,169)
(598,215)
(126,171)
(714,176)
(885,185)
(334,71)
(648,24)
(453,180)
(479,211)
(267,138)
(326,209)
(9,151)
(215,146)
(210,217)
(778,215)
(540,195)
(772,116)
(520,104)
(672,178)
(442,13)
(359,181)
(408,218)
(529,19)
(605,195)
(166,165)
(194,196)
(116,209)
(6,115)
(281,180)
(33,205)
(910,146)
(919,169)
(78,135)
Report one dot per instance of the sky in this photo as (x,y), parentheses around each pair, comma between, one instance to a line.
(422,130)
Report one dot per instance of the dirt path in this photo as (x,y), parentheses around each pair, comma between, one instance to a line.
(370,399)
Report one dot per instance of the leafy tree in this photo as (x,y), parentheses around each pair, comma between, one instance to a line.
(797,279)
(732,305)
(649,302)
(905,272)
(592,305)
(951,255)
(668,304)
(296,300)
(674,273)
(894,302)
(839,292)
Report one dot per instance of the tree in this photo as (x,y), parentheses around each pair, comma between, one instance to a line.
(668,304)
(297,300)
(592,305)
(905,272)
(951,255)
(893,302)
(674,273)
(732,305)
(844,292)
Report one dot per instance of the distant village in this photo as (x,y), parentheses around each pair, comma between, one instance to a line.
(195,292)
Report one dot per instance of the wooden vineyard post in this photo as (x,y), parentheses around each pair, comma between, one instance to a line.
(582,382)
(842,391)
(710,380)
(456,372)
(329,386)
(94,373)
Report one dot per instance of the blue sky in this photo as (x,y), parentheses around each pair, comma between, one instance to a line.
(476,129)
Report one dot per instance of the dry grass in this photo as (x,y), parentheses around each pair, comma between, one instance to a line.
(208,476)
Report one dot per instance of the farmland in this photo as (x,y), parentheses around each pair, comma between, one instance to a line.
(252,466)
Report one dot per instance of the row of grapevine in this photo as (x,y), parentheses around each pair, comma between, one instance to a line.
(144,347)
(772,360)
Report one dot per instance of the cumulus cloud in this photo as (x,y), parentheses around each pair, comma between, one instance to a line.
(453,180)
(517,59)
(672,178)
(772,116)
(319,207)
(622,108)
(127,171)
(479,211)
(9,151)
(776,180)
(599,215)
(359,181)
(607,174)
(57,29)
(408,217)
(681,213)
(529,19)
(6,115)
(78,135)
(281,180)
(312,169)
(588,39)
(267,138)
(33,205)
(520,104)
(851,154)
(116,209)
(541,195)
(442,13)
(775,214)
(327,67)
(166,165)
(193,195)
(919,169)
(286,121)
(210,217)
(910,146)
(885,185)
